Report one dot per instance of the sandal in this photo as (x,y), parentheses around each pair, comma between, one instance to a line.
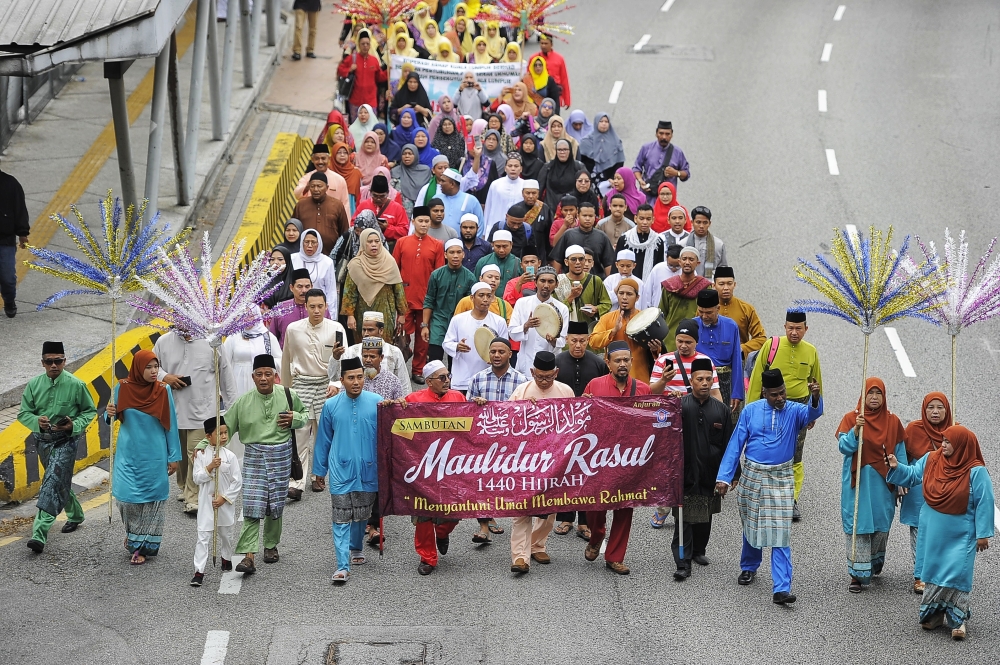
(495,528)
(357,558)
(583,531)
(657,521)
(340,577)
(373,538)
(137,559)
(854,586)
(482,538)
(562,528)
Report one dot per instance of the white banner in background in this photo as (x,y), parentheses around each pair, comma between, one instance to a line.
(444,78)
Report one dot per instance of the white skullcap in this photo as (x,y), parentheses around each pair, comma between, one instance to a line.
(481,285)
(469,217)
(491,267)
(573,250)
(453,242)
(373,316)
(530,184)
(688,249)
(432,367)
(626,255)
(454,175)
(503,234)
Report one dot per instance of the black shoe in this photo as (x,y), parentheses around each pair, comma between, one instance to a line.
(784,598)
(295,494)
(311,55)
(296,56)
(246,566)
(70,527)
(36,546)
(442,544)
(271,555)
(746,577)
(682,574)
(796,513)
(197,579)
(227,565)
(10,310)
(425,568)
(700,559)
(419,380)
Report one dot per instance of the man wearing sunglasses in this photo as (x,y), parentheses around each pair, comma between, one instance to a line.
(57,408)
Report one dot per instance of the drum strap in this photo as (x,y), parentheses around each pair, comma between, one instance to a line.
(680,368)
(632,390)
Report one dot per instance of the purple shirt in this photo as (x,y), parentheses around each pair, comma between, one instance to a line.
(279,324)
(650,158)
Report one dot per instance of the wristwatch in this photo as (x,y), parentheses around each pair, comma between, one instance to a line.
(423,325)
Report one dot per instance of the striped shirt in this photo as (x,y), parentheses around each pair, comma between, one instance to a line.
(676,384)
(487,385)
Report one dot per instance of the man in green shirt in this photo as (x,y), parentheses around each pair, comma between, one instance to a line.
(510,265)
(264,418)
(799,365)
(57,407)
(447,285)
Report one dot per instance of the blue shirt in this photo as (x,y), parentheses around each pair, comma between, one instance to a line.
(488,385)
(345,443)
(458,205)
(721,343)
(479,249)
(766,435)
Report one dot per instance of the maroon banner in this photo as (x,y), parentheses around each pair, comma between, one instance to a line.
(509,459)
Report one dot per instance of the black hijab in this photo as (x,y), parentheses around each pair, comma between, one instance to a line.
(284,291)
(560,178)
(451,145)
(531,163)
(589,196)
(416,97)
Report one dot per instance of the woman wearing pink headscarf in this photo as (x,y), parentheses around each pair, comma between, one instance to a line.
(446,109)
(625,184)
(369,157)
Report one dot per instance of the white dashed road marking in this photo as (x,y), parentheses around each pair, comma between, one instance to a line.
(827,48)
(642,42)
(232,582)
(831,161)
(822,101)
(840,13)
(667,5)
(215,647)
(615,91)
(897,346)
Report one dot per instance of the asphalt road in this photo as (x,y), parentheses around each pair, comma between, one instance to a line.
(911,115)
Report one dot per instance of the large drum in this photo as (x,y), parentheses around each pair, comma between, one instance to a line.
(483,338)
(646,326)
(550,320)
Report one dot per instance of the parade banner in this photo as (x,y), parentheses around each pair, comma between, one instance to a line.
(510,459)
(444,78)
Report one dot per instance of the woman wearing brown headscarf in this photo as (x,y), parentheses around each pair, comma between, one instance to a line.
(955,523)
(922,437)
(147,452)
(882,434)
(373,284)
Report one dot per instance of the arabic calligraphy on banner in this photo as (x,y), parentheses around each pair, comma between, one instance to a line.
(509,459)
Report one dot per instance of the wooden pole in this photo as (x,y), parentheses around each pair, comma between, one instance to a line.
(215,522)
(857,473)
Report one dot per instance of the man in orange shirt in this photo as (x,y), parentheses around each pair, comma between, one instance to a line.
(417,256)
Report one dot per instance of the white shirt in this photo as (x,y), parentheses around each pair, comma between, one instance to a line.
(196,403)
(611,284)
(230,484)
(463,328)
(651,291)
(671,238)
(239,353)
(531,341)
(503,193)
(309,349)
(392,361)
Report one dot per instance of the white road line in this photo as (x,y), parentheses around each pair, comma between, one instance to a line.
(831,161)
(215,647)
(604,545)
(615,91)
(822,101)
(642,42)
(840,13)
(851,230)
(897,346)
(667,5)
(232,582)
(996,514)
(827,48)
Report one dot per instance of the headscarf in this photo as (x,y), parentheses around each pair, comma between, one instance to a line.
(497,156)
(330,142)
(922,436)
(494,45)
(561,178)
(407,52)
(416,97)
(509,119)
(335,117)
(371,273)
(525,105)
(549,143)
(947,479)
(478,59)
(434,44)
(420,23)
(542,121)
(661,213)
(359,129)
(403,135)
(579,116)
(462,45)
(882,431)
(367,163)
(633,195)
(451,145)
(428,152)
(411,178)
(531,162)
(540,80)
(389,149)
(365,220)
(516,48)
(468,102)
(506,142)
(348,171)
(446,52)
(137,393)
(292,247)
(455,116)
(282,279)
(307,260)
(366,190)
(479,126)
(605,148)
(589,196)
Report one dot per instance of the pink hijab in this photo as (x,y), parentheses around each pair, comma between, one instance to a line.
(633,197)
(366,190)
(368,163)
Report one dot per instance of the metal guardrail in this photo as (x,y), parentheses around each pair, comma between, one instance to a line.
(33,93)
(271,204)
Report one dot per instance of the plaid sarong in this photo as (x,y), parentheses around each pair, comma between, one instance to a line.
(765,499)
(312,391)
(352,507)
(143,526)
(725,375)
(57,452)
(266,468)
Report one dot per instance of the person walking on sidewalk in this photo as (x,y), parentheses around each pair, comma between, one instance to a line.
(305,9)
(57,407)
(13,234)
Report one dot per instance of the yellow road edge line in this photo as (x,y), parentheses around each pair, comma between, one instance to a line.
(90,504)
(8,540)
(43,229)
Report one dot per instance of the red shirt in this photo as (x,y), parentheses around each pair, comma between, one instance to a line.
(417,258)
(367,77)
(556,67)
(394,214)
(605,386)
(427,395)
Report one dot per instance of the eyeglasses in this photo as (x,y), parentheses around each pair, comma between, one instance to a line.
(443,377)
(53,361)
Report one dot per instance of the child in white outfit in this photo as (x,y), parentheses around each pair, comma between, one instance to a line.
(230,484)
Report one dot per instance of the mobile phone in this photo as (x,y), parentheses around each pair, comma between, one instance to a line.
(530,270)
(478,141)
(186,380)
(62,422)
(339,337)
(885,455)
(668,365)
(576,283)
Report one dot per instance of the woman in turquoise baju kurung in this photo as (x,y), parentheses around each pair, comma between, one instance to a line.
(147,451)
(883,433)
(955,523)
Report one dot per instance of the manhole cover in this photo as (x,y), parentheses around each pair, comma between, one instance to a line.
(677,52)
(349,652)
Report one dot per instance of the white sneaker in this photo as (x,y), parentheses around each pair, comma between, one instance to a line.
(958,633)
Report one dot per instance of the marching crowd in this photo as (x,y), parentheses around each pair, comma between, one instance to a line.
(485,250)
